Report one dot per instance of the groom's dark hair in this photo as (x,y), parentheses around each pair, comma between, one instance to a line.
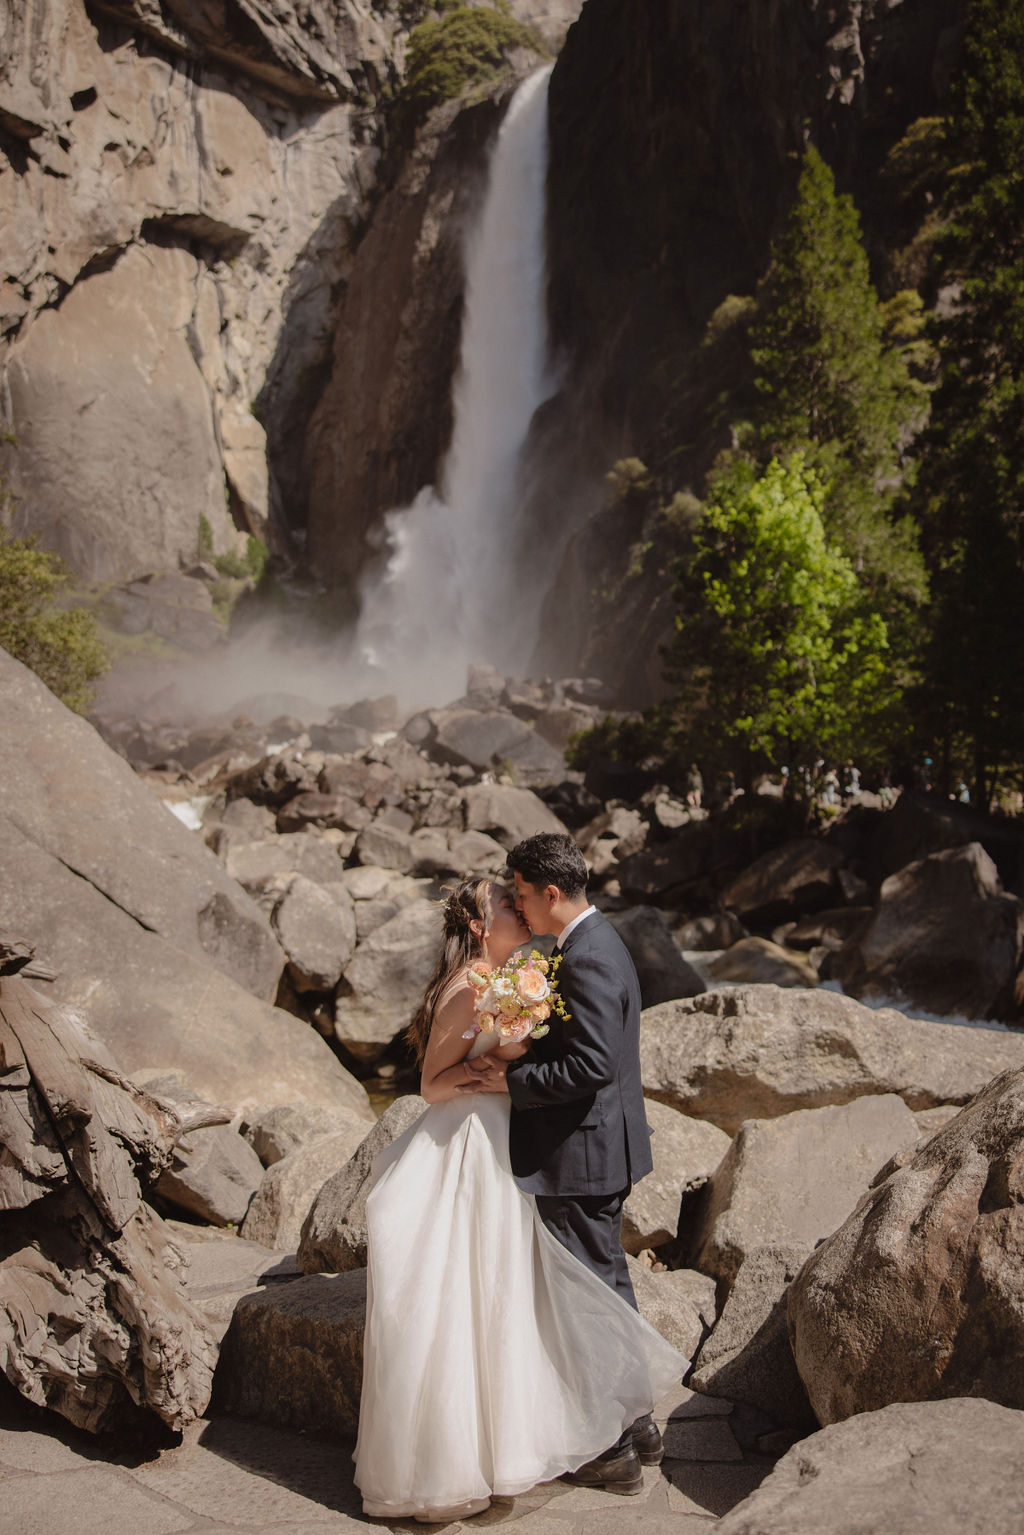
(550,858)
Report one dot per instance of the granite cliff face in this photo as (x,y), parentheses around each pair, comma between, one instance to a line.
(676,134)
(183,186)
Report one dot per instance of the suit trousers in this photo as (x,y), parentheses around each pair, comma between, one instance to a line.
(590,1226)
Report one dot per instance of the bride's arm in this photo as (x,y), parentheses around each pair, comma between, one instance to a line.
(444,1073)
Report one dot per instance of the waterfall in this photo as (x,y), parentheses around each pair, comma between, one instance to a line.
(457,586)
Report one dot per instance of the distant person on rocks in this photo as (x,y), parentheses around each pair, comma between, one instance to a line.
(494,1357)
(694,787)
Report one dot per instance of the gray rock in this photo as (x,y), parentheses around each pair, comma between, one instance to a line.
(385,979)
(214,1175)
(317,931)
(700,1290)
(756,961)
(665,871)
(685,1153)
(279,777)
(339,736)
(747,1357)
(920,1294)
(798,877)
(386,847)
(288,1188)
(155,1004)
(334,1232)
(496,741)
(314,809)
(661,969)
(65,792)
(473,852)
(276,1132)
(507,814)
(667,1306)
(935,1468)
(793,1180)
(430,852)
(944,934)
(757,1051)
(719,931)
(220,1268)
(293,1354)
(367,882)
(372,783)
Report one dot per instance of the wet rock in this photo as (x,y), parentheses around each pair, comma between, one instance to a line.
(662,971)
(920,1294)
(944,934)
(794,1179)
(758,1051)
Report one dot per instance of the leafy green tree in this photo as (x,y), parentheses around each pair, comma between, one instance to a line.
(833,385)
(970,494)
(776,657)
(60,645)
(462,46)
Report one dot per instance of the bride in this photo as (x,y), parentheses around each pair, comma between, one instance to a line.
(493,1358)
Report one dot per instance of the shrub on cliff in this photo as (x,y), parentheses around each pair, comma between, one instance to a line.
(62,646)
(461,47)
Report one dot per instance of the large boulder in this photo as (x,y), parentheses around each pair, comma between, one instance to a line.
(507,814)
(274,1133)
(76,804)
(920,1294)
(317,930)
(662,971)
(936,1468)
(293,1354)
(212,1177)
(668,1307)
(159,1007)
(756,1051)
(747,1358)
(288,1188)
(685,1152)
(334,1232)
(794,1179)
(798,877)
(759,962)
(945,935)
(385,979)
(495,741)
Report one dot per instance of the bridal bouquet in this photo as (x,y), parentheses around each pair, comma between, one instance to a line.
(516,999)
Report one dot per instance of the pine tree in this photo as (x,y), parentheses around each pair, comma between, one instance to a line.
(971,487)
(831,387)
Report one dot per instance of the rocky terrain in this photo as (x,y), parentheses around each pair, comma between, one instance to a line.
(214,934)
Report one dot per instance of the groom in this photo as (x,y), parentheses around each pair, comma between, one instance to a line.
(578,1136)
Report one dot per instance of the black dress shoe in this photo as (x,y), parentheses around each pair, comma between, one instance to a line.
(617,1470)
(647,1441)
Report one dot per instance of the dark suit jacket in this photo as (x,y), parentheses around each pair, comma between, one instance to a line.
(578,1123)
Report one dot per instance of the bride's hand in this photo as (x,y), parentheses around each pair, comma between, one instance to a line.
(512,1050)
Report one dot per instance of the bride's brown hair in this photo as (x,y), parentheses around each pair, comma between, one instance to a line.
(468,901)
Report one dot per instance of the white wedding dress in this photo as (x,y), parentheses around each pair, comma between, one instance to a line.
(493,1358)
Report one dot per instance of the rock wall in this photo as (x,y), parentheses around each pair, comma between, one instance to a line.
(676,134)
(182,188)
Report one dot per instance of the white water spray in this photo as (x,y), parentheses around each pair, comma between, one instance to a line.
(457,587)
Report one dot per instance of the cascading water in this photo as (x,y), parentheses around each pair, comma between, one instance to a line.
(457,586)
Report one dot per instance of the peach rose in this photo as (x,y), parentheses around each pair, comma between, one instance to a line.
(532,985)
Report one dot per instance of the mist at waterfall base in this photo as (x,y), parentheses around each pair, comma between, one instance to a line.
(457,581)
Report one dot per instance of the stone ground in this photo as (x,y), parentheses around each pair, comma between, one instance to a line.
(230,1475)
